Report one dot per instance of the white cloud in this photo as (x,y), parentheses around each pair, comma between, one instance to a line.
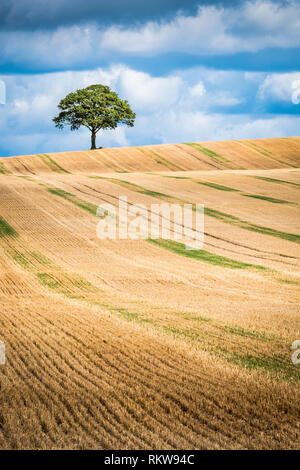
(225,99)
(195,104)
(279,87)
(253,26)
(34,98)
(179,34)
(197,90)
(187,126)
(148,93)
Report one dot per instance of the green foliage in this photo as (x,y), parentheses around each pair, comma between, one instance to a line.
(95,107)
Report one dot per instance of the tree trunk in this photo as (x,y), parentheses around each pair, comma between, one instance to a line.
(93,140)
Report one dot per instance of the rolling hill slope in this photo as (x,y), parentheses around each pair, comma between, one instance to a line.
(139,343)
(236,155)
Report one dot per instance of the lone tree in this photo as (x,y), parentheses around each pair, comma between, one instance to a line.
(95,107)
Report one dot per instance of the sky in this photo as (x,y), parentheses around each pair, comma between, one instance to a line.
(191,70)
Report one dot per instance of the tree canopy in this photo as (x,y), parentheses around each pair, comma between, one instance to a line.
(95,107)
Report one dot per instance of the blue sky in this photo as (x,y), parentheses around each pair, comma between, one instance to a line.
(191,70)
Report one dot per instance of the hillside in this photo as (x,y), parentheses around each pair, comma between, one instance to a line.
(136,344)
(264,154)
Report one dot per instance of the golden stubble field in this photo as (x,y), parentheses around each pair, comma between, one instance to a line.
(137,344)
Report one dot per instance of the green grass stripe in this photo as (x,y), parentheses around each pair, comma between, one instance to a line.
(203,255)
(87,206)
(49,280)
(50,275)
(244,332)
(153,193)
(4,170)
(220,187)
(160,160)
(7,230)
(65,285)
(275,180)
(222,216)
(292,237)
(53,277)
(51,163)
(262,150)
(133,187)
(273,365)
(233,220)
(130,316)
(278,366)
(268,199)
(265,152)
(169,176)
(139,189)
(28,259)
(209,153)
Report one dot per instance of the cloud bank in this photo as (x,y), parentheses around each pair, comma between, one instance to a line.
(188,105)
(191,69)
(212,30)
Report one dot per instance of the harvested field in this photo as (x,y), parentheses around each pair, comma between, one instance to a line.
(141,344)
